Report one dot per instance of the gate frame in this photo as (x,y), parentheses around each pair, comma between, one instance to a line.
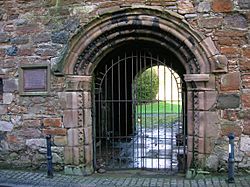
(108,31)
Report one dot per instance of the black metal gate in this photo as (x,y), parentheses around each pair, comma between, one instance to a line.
(130,130)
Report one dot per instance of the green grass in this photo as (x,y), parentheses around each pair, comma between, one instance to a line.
(154,121)
(158,107)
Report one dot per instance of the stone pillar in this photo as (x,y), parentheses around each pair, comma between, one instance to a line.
(202,118)
(77,119)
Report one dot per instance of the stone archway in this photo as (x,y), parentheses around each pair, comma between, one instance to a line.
(196,53)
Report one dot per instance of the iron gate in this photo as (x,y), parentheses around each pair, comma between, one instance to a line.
(132,131)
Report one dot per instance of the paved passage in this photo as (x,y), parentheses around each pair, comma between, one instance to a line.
(11,178)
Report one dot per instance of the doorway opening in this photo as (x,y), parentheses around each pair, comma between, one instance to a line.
(140,110)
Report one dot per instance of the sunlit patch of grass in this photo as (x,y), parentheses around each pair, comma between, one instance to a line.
(159,107)
(152,121)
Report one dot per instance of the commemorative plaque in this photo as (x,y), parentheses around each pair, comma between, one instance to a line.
(35,80)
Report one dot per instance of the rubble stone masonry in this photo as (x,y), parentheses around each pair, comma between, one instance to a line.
(40,32)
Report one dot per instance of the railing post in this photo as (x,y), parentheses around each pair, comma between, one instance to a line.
(49,157)
(231,158)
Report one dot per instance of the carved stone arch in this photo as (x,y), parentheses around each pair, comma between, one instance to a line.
(195,52)
(165,27)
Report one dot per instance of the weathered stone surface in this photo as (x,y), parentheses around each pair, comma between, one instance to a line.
(60,37)
(230,81)
(3,109)
(245,97)
(30,133)
(185,6)
(235,21)
(60,140)
(246,52)
(55,131)
(7,98)
(209,124)
(204,7)
(210,23)
(228,127)
(70,118)
(56,158)
(11,51)
(70,100)
(36,143)
(4,37)
(87,117)
(42,38)
(222,5)
(73,137)
(212,162)
(231,115)
(10,85)
(71,25)
(88,136)
(87,103)
(246,127)
(6,126)
(29,28)
(52,122)
(19,40)
(244,4)
(228,101)
(71,155)
(245,143)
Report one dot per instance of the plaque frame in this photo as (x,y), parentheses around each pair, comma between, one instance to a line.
(36,91)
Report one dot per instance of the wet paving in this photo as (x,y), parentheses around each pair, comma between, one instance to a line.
(150,148)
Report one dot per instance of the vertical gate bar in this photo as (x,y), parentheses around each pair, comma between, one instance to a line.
(158,103)
(113,120)
(106,117)
(151,108)
(178,124)
(133,107)
(145,117)
(126,106)
(94,123)
(171,97)
(137,111)
(141,104)
(184,126)
(99,122)
(119,98)
(165,118)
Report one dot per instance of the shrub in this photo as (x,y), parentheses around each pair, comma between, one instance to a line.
(147,85)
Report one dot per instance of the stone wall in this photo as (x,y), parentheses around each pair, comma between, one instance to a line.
(39,32)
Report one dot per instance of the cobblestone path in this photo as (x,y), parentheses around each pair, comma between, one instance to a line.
(11,178)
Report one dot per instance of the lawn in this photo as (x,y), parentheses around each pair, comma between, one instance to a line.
(158,113)
(160,107)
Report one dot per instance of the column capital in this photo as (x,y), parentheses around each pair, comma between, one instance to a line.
(196,77)
(78,83)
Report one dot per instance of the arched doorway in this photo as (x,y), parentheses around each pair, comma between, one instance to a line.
(134,127)
(124,33)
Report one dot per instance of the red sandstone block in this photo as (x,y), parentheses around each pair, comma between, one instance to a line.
(244,64)
(230,51)
(25,52)
(246,127)
(230,33)
(222,5)
(228,128)
(11,139)
(56,131)
(52,122)
(2,52)
(27,29)
(230,82)
(246,52)
(245,97)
